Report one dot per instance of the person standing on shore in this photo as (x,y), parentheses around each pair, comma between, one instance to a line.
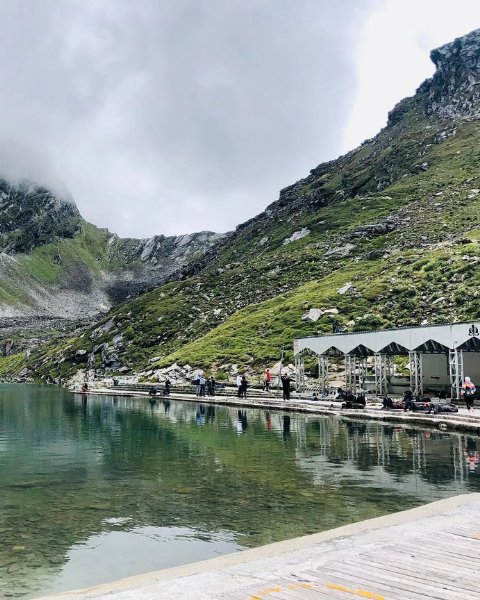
(196,383)
(168,384)
(268,379)
(211,386)
(239,385)
(202,382)
(286,386)
(244,386)
(469,390)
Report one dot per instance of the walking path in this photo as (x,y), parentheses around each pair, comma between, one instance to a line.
(430,552)
(462,421)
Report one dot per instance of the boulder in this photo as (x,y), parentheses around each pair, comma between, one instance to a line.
(297,235)
(345,288)
(315,313)
(339,251)
(312,315)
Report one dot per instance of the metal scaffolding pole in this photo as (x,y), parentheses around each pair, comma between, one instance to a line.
(323,372)
(382,373)
(362,372)
(299,373)
(455,368)
(350,372)
(416,373)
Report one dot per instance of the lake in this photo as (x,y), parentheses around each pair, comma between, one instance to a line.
(98,488)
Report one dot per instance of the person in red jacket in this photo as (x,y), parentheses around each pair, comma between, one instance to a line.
(267,380)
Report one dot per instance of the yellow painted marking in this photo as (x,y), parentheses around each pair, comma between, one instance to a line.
(262,594)
(266,592)
(363,593)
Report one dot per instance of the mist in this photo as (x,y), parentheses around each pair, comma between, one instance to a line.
(172,117)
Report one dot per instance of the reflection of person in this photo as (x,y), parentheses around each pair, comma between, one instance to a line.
(269,421)
(472,457)
(239,423)
(210,416)
(472,460)
(286,427)
(468,390)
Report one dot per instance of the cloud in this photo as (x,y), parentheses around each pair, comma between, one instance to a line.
(169,117)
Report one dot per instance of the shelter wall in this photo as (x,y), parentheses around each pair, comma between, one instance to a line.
(471,366)
(435,370)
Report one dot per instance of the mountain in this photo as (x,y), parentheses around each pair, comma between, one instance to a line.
(386,235)
(55,264)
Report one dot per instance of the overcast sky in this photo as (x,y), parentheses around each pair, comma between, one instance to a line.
(172,116)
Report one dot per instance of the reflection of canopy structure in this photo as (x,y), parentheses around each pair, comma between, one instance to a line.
(438,353)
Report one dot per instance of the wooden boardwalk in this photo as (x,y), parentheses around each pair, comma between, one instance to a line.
(431,552)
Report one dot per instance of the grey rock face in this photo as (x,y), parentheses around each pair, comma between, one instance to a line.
(297,235)
(340,251)
(31,215)
(454,90)
(375,229)
(167,253)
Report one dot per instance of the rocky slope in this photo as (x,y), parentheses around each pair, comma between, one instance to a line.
(54,264)
(386,235)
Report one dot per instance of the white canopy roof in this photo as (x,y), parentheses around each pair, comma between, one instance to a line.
(434,338)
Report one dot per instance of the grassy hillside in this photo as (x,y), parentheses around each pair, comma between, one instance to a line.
(395,222)
(426,269)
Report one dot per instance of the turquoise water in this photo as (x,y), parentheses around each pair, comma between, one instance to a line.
(99,488)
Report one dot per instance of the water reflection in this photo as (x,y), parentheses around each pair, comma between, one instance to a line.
(80,473)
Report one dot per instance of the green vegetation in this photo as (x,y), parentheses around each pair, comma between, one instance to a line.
(12,364)
(396,221)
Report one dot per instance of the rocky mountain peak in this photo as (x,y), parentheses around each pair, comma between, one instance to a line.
(454,90)
(31,215)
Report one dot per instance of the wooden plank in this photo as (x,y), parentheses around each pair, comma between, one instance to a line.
(405,582)
(466,539)
(442,560)
(368,588)
(290,590)
(302,588)
(430,572)
(438,551)
(441,556)
(382,584)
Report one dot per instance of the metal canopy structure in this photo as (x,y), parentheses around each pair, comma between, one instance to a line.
(457,343)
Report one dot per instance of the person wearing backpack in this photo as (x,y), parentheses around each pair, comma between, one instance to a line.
(469,389)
